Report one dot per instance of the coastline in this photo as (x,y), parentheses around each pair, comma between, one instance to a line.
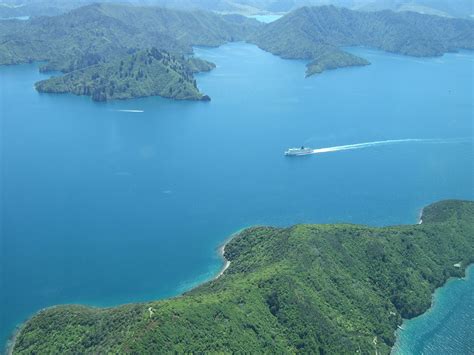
(397,347)
(420,216)
(11,342)
(221,253)
(10,345)
(226,264)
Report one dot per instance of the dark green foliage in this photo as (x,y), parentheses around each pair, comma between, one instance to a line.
(317,33)
(87,43)
(95,36)
(101,32)
(309,288)
(145,73)
(333,59)
(197,65)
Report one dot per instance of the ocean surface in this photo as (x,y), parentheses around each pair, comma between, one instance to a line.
(448,327)
(109,203)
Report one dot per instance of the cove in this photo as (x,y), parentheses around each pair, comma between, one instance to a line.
(110,203)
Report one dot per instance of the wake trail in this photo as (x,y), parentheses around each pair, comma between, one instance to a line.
(387,142)
(130,111)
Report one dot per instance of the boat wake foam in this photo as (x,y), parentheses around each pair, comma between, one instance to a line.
(387,142)
(130,111)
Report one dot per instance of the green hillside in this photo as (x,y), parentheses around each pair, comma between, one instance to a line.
(319,33)
(88,42)
(97,47)
(309,288)
(100,32)
(148,72)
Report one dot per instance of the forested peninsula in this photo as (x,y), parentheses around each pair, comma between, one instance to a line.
(318,34)
(89,43)
(338,288)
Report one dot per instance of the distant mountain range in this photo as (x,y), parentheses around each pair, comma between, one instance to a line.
(457,8)
(89,42)
(313,289)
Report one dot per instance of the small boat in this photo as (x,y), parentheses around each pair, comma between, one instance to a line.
(298,151)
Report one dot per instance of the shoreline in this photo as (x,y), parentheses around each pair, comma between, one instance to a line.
(226,264)
(12,340)
(468,273)
(420,216)
(10,345)
(221,252)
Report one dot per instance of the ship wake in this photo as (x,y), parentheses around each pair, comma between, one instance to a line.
(387,142)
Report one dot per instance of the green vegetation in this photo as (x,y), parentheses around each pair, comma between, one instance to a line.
(309,288)
(90,42)
(101,32)
(148,72)
(328,60)
(318,33)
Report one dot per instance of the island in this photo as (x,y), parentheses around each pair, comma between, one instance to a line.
(334,288)
(147,72)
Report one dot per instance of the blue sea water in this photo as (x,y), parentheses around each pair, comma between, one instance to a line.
(109,203)
(448,327)
(22,18)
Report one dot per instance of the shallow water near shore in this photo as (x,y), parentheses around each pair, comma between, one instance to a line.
(110,203)
(447,327)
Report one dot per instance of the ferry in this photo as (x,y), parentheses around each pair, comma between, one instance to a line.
(298,151)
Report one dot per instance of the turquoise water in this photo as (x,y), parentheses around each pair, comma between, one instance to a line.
(448,327)
(102,206)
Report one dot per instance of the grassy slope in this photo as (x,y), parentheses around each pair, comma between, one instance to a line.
(318,33)
(312,288)
(148,72)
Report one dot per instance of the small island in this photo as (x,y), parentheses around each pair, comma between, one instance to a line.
(335,288)
(145,73)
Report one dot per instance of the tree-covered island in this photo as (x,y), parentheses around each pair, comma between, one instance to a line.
(145,73)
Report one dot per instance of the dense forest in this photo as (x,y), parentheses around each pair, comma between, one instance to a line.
(100,32)
(145,73)
(308,288)
(319,33)
(88,44)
